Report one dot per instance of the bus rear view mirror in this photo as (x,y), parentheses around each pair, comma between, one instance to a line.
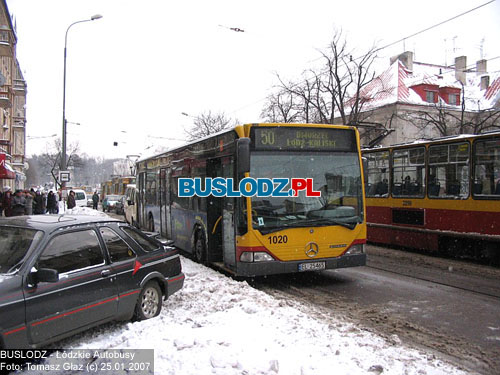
(365,169)
(243,155)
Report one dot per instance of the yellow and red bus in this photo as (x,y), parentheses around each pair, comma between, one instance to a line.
(250,236)
(441,195)
(119,184)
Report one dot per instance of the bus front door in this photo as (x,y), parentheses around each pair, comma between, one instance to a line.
(220,217)
(228,229)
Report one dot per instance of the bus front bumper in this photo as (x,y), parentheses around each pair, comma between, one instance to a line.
(276,267)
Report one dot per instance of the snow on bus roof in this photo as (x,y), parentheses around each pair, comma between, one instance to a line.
(188,143)
(444,138)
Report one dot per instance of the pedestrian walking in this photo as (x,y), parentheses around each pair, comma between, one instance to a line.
(28,208)
(7,201)
(71,200)
(44,202)
(51,203)
(18,203)
(38,204)
(95,200)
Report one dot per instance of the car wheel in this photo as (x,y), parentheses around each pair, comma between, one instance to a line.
(200,250)
(149,302)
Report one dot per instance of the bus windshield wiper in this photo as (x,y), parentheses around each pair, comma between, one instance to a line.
(327,221)
(310,222)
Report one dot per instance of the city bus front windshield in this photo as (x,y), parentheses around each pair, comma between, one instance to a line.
(336,175)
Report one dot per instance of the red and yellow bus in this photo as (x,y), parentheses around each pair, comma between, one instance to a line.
(442,195)
(251,236)
(119,184)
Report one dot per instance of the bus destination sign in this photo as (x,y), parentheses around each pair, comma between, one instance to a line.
(307,139)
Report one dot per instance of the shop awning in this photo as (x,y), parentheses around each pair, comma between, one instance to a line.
(6,171)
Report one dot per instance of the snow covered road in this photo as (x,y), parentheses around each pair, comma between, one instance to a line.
(216,325)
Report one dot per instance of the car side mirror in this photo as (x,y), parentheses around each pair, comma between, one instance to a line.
(243,155)
(47,275)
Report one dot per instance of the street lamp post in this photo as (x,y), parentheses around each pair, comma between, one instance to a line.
(63,155)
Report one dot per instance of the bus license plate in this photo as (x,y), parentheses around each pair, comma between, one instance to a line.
(315,266)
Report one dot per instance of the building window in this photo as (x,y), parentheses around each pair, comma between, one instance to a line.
(453,99)
(430,97)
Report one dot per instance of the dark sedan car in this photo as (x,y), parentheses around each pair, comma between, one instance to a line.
(61,274)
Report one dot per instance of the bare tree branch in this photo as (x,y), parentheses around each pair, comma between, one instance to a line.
(208,123)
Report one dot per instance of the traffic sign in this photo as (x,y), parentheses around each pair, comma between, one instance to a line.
(64,176)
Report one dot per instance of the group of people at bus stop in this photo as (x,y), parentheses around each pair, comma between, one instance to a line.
(27,202)
(35,202)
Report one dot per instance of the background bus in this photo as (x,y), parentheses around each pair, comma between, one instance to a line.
(119,184)
(260,236)
(437,195)
(106,188)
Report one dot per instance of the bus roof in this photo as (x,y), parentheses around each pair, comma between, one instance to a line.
(240,130)
(450,138)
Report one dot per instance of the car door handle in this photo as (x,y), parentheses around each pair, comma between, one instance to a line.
(106,273)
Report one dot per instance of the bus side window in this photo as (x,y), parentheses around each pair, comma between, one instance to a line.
(377,173)
(487,168)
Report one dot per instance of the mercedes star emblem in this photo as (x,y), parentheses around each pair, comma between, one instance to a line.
(312,249)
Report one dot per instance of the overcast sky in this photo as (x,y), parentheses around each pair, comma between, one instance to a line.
(132,73)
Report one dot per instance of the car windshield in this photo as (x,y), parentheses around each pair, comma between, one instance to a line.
(15,243)
(336,175)
(113,197)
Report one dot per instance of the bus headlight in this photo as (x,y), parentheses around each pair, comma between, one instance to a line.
(356,249)
(262,257)
(257,256)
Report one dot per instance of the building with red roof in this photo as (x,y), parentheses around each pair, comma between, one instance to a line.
(414,100)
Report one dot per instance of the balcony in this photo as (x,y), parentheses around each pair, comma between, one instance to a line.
(4,100)
(19,85)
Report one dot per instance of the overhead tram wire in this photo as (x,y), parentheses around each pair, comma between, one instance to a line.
(388,45)
(435,25)
(448,70)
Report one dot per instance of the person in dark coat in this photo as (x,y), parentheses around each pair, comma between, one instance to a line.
(52,203)
(95,200)
(71,200)
(18,203)
(38,204)
(7,202)
(28,208)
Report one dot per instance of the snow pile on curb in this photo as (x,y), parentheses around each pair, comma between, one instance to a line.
(82,211)
(220,326)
